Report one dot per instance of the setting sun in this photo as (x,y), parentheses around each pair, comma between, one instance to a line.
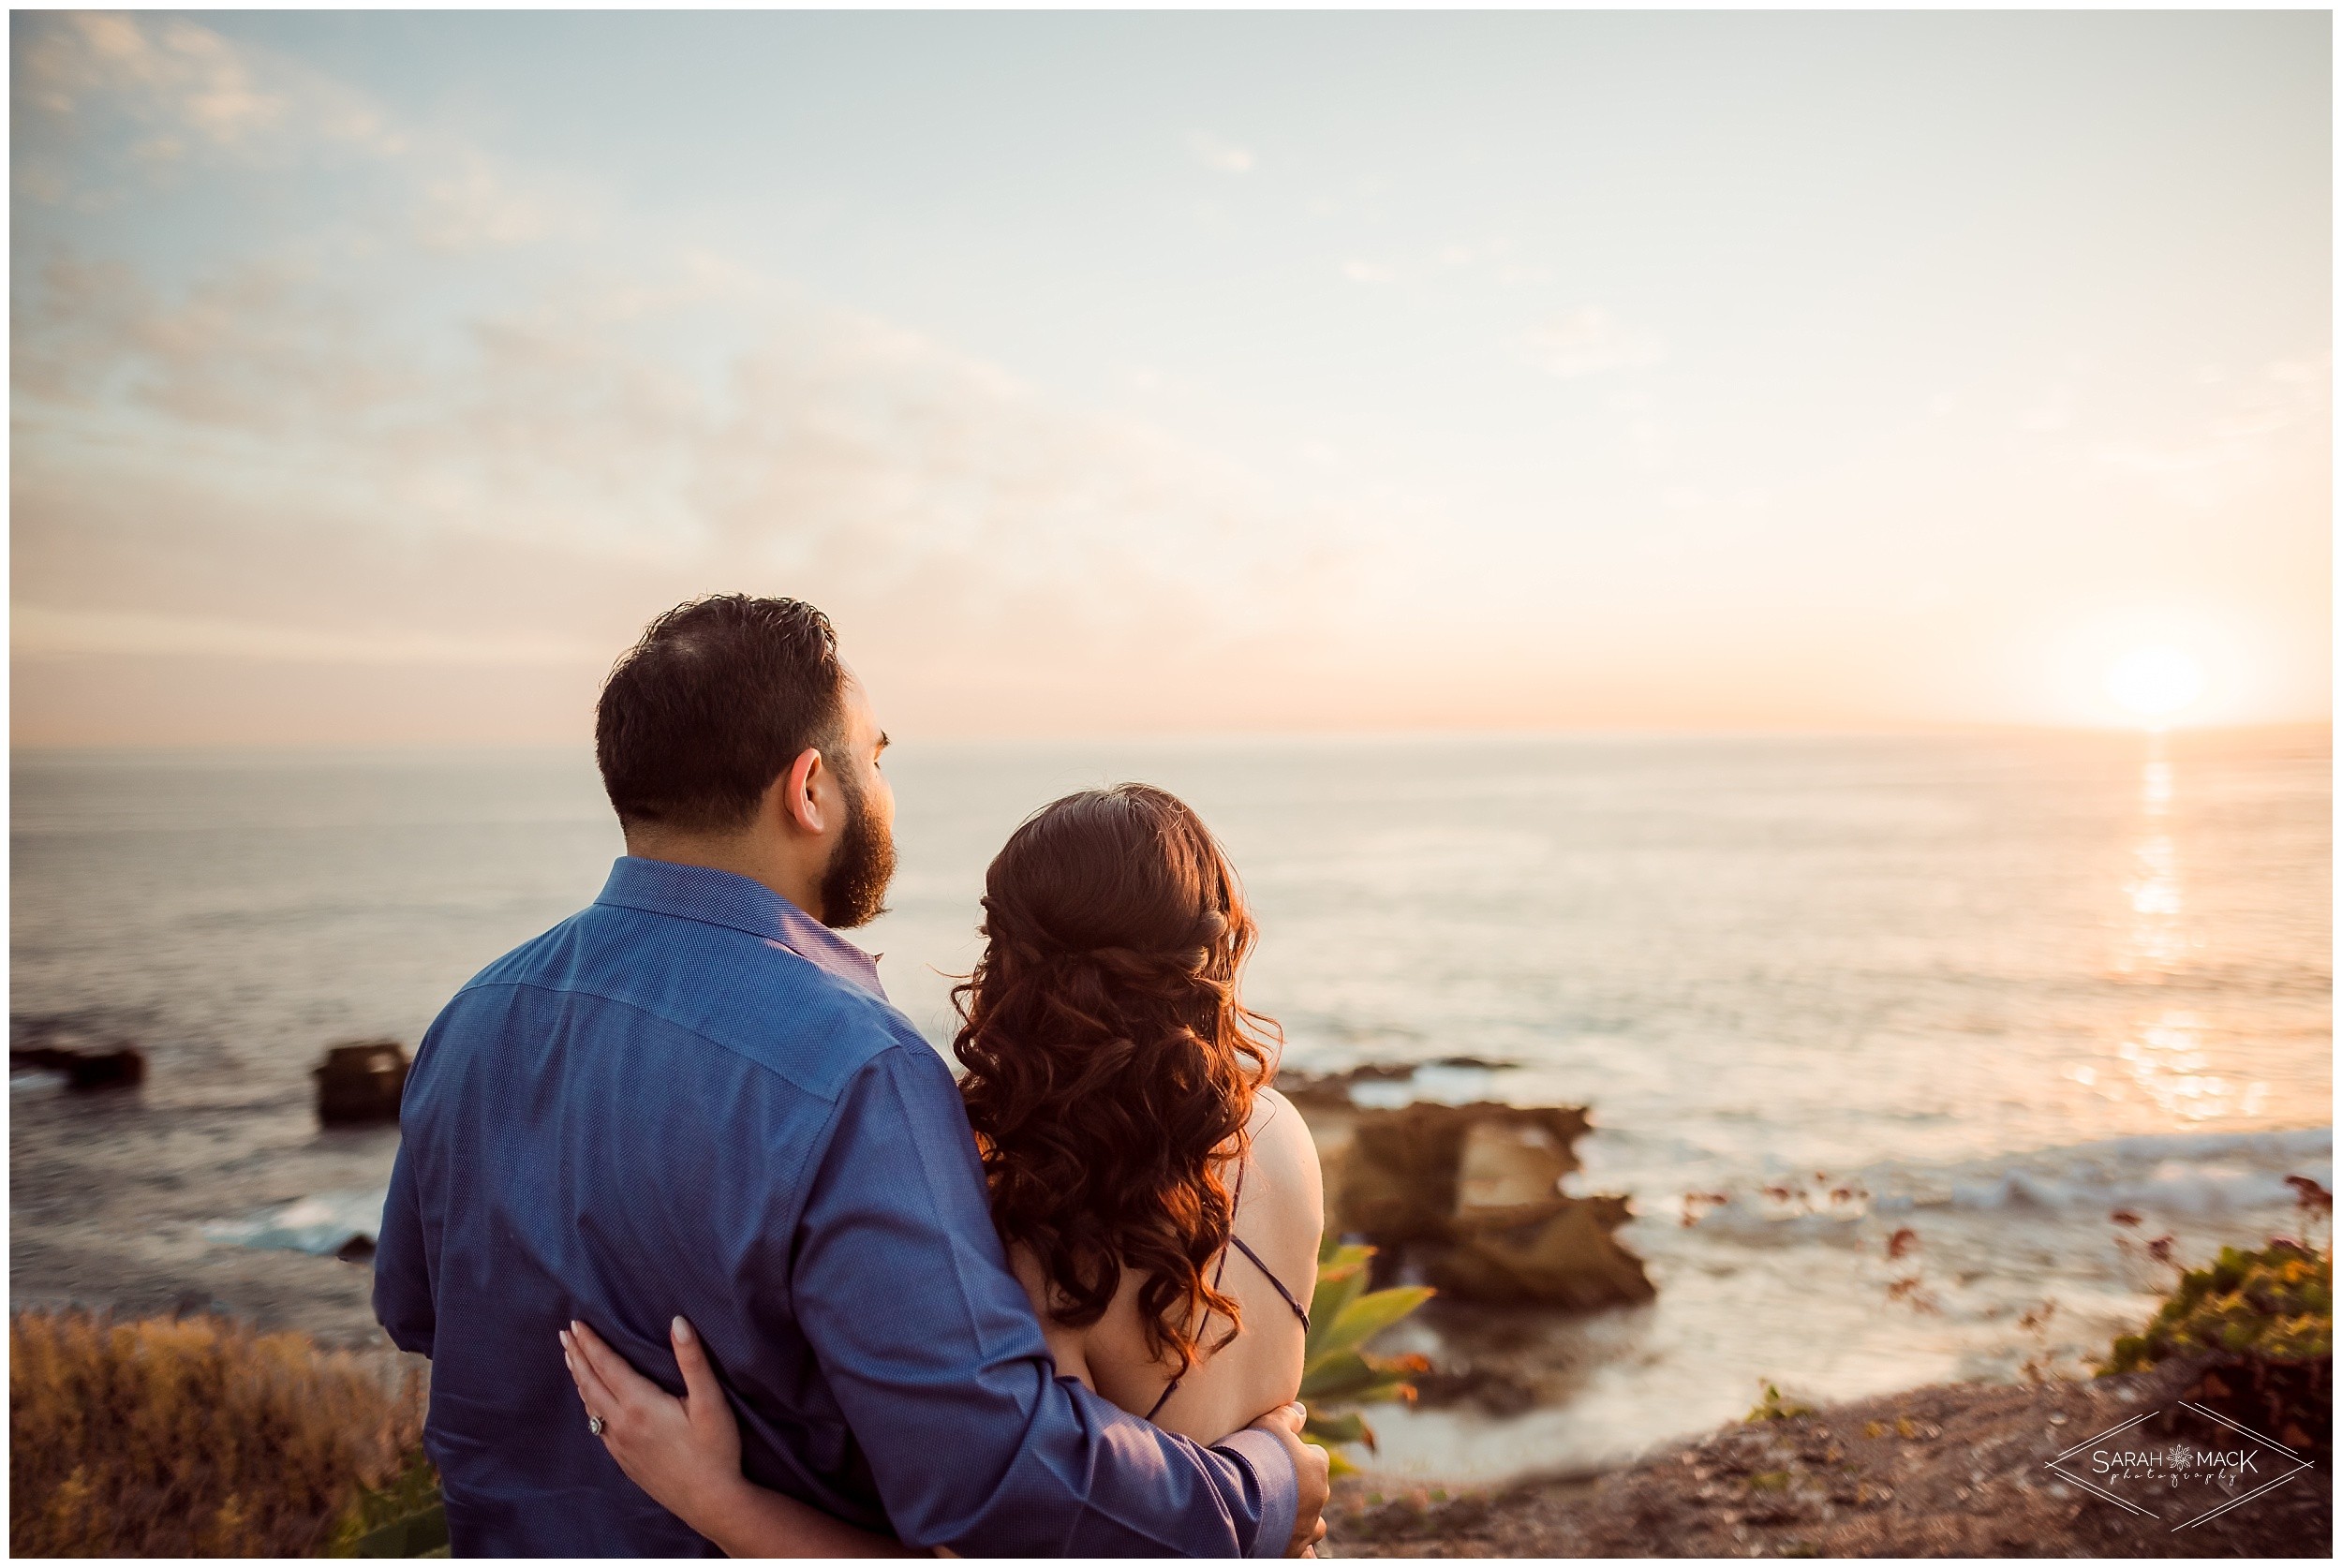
(2154,682)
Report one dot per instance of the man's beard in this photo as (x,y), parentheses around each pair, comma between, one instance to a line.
(853,889)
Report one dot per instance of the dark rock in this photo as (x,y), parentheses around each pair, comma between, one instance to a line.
(1495,1391)
(358,1249)
(1412,1172)
(2290,1400)
(1565,1257)
(1331,1090)
(1469,1197)
(123,1067)
(361,1082)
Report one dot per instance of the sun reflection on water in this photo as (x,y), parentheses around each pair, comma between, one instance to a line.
(2158,939)
(2165,1053)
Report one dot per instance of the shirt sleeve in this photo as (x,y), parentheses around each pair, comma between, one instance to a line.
(932,1351)
(402,1271)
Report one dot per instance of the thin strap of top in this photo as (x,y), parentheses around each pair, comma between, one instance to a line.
(1278,1285)
(1298,1311)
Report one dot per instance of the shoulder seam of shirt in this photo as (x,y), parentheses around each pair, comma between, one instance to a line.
(893,1040)
(778,935)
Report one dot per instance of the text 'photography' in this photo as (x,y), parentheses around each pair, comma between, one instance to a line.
(1100,783)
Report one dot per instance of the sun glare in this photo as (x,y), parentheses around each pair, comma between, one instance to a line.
(2154,682)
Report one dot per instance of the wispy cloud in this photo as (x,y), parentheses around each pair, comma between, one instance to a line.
(39,630)
(162,86)
(294,456)
(1358,271)
(2052,408)
(1215,152)
(1587,343)
(2237,442)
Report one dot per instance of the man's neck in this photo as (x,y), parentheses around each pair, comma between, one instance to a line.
(745,855)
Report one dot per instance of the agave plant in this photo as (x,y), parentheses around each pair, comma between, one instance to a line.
(404,1518)
(1335,1370)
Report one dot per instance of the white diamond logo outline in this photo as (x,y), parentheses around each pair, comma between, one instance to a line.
(2057,1463)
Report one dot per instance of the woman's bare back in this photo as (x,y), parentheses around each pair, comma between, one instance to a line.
(1279,1214)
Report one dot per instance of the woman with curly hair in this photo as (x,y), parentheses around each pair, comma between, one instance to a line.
(1118,1087)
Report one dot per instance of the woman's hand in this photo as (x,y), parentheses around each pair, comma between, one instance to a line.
(685,1453)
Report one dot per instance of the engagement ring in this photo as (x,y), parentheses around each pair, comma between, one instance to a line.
(593,1425)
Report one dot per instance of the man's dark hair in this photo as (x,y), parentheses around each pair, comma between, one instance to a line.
(717,699)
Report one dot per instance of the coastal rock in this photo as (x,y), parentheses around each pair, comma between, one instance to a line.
(1330,1091)
(1469,1196)
(1415,1172)
(122,1067)
(360,1082)
(1565,1257)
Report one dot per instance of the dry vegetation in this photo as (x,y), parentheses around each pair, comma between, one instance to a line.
(193,1437)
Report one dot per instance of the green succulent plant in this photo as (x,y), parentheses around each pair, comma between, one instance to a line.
(404,1518)
(1336,1371)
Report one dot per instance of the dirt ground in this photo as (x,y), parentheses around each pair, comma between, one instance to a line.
(1956,1471)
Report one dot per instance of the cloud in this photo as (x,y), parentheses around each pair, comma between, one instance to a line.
(2052,410)
(1587,343)
(39,630)
(2238,441)
(446,436)
(470,206)
(158,85)
(113,109)
(816,440)
(1225,156)
(1368,272)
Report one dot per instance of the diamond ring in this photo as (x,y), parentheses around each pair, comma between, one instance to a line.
(593,1425)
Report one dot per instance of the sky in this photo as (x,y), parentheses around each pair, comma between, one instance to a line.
(375,376)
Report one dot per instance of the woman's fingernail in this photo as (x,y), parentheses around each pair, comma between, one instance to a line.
(682,1331)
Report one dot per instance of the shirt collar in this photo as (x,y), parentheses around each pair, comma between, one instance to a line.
(722,898)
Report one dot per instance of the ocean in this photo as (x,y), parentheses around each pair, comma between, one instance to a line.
(1990,989)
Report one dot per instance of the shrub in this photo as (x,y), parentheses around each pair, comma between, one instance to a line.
(404,1518)
(2265,1323)
(1773,1407)
(2275,1304)
(1335,1370)
(193,1437)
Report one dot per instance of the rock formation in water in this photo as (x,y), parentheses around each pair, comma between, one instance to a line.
(361,1082)
(122,1067)
(1469,1195)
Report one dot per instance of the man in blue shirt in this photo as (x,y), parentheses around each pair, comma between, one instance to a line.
(693,1099)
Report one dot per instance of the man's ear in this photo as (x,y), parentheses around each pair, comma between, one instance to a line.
(800,808)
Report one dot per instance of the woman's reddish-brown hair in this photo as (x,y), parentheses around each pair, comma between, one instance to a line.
(1110,1065)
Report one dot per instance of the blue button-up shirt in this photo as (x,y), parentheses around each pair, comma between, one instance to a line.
(692,1098)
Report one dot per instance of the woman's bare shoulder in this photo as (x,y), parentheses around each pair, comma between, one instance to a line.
(1277,1131)
(1284,1181)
